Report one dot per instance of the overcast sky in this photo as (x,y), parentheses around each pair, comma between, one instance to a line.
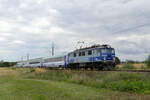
(30,26)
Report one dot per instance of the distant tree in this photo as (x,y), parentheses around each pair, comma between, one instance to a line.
(117,60)
(7,64)
(148,61)
(1,64)
(130,61)
(12,64)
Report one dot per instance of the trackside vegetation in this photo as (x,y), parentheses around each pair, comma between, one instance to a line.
(44,84)
(128,66)
(116,81)
(148,61)
(7,64)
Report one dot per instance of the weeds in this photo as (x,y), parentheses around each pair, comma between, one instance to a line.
(32,69)
(117,81)
(128,66)
(13,68)
(39,84)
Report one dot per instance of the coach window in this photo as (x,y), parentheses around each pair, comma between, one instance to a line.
(80,53)
(83,53)
(74,54)
(113,51)
(90,52)
(104,51)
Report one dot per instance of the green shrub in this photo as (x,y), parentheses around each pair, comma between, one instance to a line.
(132,82)
(13,68)
(117,81)
(7,64)
(32,70)
(117,60)
(143,67)
(148,61)
(128,66)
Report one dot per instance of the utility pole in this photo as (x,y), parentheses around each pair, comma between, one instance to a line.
(22,58)
(53,47)
(28,56)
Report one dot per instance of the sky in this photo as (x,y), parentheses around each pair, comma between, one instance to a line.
(30,27)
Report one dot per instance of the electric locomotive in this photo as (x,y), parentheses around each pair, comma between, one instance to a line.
(94,57)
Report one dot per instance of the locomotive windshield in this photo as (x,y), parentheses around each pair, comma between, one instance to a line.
(108,51)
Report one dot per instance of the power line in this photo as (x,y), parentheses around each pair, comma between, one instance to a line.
(132,28)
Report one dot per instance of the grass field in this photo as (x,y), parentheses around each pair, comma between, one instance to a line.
(138,66)
(41,84)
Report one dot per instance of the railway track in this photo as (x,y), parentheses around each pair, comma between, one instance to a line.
(114,70)
(131,70)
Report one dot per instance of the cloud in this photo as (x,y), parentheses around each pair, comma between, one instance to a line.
(2,39)
(18,42)
(30,26)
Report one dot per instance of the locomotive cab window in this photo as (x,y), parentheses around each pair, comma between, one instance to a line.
(108,51)
(113,51)
(97,51)
(90,52)
(104,51)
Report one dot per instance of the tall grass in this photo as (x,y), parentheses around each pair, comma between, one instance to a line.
(117,81)
(42,84)
(128,66)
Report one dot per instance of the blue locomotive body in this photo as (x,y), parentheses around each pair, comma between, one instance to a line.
(97,56)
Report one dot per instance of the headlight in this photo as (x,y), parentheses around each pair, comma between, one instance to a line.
(104,59)
(114,59)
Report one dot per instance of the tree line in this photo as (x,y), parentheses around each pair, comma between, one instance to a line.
(147,61)
(7,64)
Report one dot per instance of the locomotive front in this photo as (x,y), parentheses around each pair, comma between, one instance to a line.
(108,57)
(94,57)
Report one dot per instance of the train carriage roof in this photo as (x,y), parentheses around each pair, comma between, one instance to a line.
(53,59)
(93,47)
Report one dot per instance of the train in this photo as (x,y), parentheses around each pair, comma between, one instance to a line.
(94,57)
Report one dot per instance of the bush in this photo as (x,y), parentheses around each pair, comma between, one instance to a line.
(143,67)
(127,85)
(117,81)
(131,61)
(7,64)
(13,68)
(32,70)
(148,61)
(128,66)
(117,61)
